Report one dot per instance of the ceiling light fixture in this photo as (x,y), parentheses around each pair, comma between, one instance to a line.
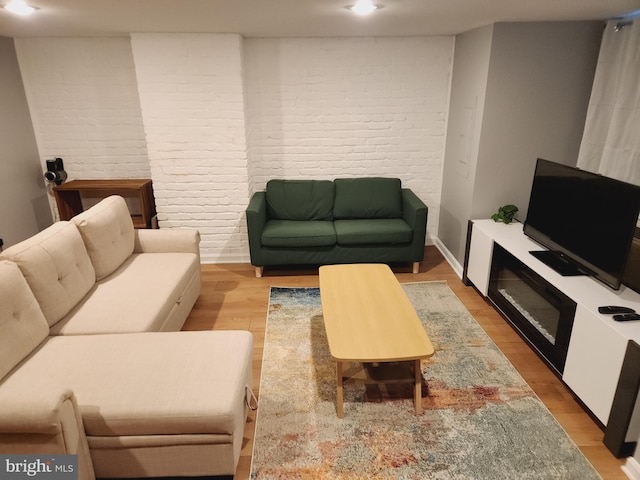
(19,8)
(364,7)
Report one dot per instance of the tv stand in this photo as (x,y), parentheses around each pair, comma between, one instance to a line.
(560,263)
(597,343)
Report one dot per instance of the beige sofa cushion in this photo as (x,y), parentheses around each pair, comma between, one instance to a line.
(56,266)
(108,234)
(140,296)
(22,324)
(174,383)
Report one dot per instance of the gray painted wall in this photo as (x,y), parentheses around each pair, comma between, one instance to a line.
(466,108)
(24,209)
(539,78)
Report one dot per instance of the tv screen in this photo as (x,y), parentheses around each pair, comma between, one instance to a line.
(586,220)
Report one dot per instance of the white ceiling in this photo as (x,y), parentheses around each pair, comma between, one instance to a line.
(292,18)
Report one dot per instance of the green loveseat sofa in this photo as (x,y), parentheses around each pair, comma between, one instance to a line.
(347,220)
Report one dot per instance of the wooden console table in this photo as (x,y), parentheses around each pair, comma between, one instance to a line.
(69,197)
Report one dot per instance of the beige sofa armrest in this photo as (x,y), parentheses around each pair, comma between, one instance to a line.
(181,240)
(45,424)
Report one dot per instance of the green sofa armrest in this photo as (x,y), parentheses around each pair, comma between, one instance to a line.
(256,219)
(415,212)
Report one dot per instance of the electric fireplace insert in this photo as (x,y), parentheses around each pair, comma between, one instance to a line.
(539,312)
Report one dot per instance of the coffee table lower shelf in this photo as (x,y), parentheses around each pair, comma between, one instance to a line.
(379,372)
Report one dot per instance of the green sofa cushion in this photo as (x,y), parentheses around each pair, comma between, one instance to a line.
(368,197)
(300,199)
(298,233)
(373,231)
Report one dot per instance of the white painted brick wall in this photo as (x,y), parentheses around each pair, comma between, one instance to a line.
(192,98)
(83,99)
(342,107)
(180,107)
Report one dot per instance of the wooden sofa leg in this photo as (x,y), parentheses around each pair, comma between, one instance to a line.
(416,267)
(259,271)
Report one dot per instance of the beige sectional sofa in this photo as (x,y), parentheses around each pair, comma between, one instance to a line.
(92,362)
(97,274)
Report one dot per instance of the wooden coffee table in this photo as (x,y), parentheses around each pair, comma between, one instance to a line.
(370,321)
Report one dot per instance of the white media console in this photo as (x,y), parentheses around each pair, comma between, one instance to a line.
(597,343)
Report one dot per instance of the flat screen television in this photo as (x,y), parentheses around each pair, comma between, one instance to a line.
(585,220)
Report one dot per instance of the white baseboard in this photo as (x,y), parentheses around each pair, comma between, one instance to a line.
(227,258)
(631,468)
(244,258)
(448,256)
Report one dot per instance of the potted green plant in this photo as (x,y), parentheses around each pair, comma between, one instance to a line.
(505,214)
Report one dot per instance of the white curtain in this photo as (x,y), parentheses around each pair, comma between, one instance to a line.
(611,139)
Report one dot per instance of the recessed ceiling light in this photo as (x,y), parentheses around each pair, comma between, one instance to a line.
(364,7)
(19,8)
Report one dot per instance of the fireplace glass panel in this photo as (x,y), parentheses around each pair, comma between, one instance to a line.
(538,310)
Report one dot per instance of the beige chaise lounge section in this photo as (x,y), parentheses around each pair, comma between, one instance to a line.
(97,274)
(130,405)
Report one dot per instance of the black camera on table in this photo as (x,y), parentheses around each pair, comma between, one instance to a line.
(55,171)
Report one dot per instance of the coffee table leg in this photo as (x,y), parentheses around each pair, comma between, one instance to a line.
(417,389)
(339,390)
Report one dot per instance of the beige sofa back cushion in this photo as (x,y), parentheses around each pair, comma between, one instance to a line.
(56,266)
(107,231)
(22,324)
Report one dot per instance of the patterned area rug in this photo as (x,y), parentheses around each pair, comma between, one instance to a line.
(481,419)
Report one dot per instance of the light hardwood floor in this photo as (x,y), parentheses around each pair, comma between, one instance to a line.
(233,298)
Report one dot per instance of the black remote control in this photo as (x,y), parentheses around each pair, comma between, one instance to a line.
(626,317)
(613,309)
